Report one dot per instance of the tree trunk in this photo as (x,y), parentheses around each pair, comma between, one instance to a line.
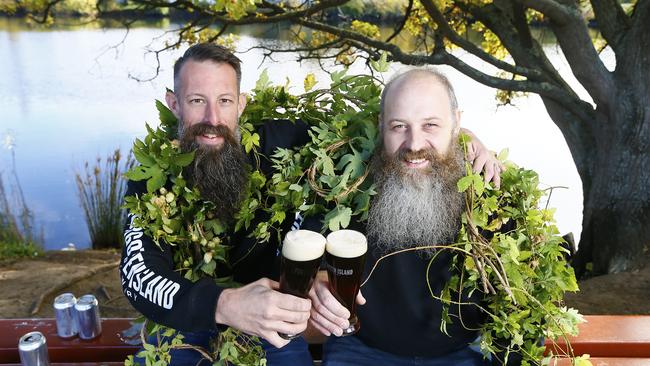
(616,216)
(616,222)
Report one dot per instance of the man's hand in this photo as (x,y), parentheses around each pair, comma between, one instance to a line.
(259,309)
(327,314)
(483,159)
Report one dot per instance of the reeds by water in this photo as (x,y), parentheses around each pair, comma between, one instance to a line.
(100,190)
(17,237)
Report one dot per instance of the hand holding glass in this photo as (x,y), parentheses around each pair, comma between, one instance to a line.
(302,251)
(345,254)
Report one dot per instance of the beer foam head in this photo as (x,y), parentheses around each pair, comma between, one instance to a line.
(303,245)
(347,243)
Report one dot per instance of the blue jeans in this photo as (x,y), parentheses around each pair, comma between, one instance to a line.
(294,353)
(350,351)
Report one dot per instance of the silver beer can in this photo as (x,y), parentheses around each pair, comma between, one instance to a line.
(32,348)
(66,315)
(88,321)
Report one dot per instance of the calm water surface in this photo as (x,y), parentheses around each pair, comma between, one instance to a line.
(66,98)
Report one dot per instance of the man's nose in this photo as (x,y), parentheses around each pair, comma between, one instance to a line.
(415,141)
(213,114)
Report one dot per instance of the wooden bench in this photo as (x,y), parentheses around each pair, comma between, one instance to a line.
(616,337)
(608,339)
(112,346)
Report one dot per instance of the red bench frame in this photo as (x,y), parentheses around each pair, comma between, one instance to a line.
(608,339)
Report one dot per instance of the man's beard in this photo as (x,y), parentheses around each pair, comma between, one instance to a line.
(220,173)
(415,207)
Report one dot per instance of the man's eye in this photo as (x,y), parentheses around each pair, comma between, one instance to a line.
(399,127)
(431,125)
(196,101)
(225,100)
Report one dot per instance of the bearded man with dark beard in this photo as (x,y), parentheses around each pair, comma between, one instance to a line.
(415,168)
(208,103)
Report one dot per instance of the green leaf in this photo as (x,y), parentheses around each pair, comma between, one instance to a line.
(338,218)
(310,81)
(167,118)
(464,183)
(263,81)
(142,157)
(209,268)
(503,154)
(157,179)
(328,166)
(138,173)
(382,64)
(183,160)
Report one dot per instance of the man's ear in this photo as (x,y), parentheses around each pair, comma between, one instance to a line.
(242,104)
(457,114)
(172,103)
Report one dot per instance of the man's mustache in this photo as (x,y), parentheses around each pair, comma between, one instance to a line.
(429,154)
(190,133)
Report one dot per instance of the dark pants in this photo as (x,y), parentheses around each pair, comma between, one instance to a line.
(294,353)
(350,351)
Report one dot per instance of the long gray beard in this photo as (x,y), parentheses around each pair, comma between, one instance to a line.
(415,209)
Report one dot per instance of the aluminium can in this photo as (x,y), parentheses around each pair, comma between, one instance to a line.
(32,348)
(89,323)
(66,315)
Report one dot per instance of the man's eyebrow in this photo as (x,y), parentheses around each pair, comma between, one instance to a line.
(397,120)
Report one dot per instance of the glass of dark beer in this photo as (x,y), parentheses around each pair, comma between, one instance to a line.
(345,255)
(302,251)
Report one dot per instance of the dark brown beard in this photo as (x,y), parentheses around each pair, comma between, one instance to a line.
(220,173)
(415,207)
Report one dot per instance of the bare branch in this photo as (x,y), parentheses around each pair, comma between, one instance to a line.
(571,32)
(558,12)
(612,21)
(544,89)
(468,46)
(440,56)
(47,11)
(399,28)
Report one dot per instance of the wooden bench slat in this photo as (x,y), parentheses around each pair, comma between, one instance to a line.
(610,336)
(607,338)
(606,361)
(110,346)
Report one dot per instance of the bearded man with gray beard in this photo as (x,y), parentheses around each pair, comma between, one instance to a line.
(415,168)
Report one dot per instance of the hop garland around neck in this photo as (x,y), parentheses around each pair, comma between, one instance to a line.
(521,271)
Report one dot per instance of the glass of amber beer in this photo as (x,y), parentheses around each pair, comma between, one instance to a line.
(345,255)
(302,251)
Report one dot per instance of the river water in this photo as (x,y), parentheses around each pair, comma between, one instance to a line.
(68,96)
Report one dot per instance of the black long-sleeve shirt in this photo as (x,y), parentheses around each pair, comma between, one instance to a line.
(162,294)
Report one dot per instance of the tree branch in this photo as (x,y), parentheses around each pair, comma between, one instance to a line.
(524,50)
(399,28)
(470,47)
(442,57)
(47,11)
(544,89)
(612,21)
(571,32)
(560,13)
